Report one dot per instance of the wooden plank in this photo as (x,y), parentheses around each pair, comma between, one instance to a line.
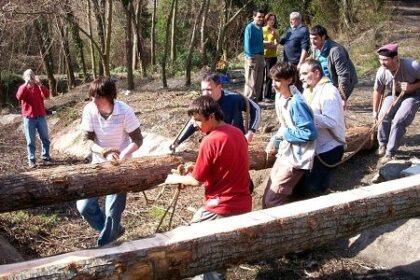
(190,250)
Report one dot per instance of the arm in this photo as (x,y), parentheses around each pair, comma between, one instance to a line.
(89,141)
(45,93)
(254,118)
(184,134)
(304,129)
(137,140)
(304,45)
(410,88)
(376,103)
(342,64)
(331,106)
(20,94)
(285,37)
(247,39)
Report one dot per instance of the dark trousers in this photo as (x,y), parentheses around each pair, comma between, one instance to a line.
(317,179)
(268,85)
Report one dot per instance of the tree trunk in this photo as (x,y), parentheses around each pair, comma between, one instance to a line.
(222,32)
(203,38)
(270,233)
(138,44)
(44,41)
(165,53)
(128,10)
(192,44)
(100,19)
(347,12)
(108,38)
(68,183)
(92,49)
(153,35)
(71,81)
(78,43)
(173,31)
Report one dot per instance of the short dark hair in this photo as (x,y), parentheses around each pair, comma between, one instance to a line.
(284,70)
(211,77)
(387,53)
(104,87)
(319,30)
(256,11)
(205,105)
(314,65)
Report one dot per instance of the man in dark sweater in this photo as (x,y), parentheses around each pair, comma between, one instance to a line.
(232,105)
(295,41)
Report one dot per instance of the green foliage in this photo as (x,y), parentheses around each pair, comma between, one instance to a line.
(9,84)
(119,69)
(68,114)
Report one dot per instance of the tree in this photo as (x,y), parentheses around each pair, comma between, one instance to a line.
(153,35)
(44,42)
(192,44)
(63,31)
(165,52)
(128,30)
(173,31)
(203,38)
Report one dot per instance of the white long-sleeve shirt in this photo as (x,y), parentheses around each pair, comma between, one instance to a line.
(327,106)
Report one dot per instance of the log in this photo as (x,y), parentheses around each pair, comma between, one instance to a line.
(191,250)
(68,183)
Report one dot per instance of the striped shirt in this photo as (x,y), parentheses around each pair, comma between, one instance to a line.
(113,131)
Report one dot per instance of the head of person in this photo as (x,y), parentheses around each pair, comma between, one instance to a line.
(205,113)
(283,75)
(318,35)
(388,56)
(103,92)
(295,19)
(270,20)
(258,17)
(28,76)
(211,86)
(310,72)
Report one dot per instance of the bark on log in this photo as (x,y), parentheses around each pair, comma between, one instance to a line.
(191,250)
(69,183)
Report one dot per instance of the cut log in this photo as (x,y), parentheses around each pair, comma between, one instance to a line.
(68,183)
(191,250)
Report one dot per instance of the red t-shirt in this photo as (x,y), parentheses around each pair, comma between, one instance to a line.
(222,164)
(32,100)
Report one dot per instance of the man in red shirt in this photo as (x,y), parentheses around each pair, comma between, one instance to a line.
(222,165)
(31,96)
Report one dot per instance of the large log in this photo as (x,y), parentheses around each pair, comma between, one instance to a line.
(190,250)
(69,183)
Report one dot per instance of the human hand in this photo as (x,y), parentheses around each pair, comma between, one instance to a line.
(249,136)
(172,147)
(407,87)
(174,179)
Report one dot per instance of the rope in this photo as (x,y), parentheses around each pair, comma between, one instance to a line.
(372,129)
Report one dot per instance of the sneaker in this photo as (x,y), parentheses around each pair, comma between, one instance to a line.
(381,150)
(386,158)
(32,164)
(47,161)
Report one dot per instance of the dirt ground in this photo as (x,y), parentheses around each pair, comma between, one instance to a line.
(57,229)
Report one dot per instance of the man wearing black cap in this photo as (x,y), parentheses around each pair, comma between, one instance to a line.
(395,76)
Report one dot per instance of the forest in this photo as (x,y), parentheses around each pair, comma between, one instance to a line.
(70,42)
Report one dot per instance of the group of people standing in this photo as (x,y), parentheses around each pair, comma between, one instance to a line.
(309,95)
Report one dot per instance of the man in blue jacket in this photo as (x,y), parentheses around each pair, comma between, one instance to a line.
(295,41)
(232,105)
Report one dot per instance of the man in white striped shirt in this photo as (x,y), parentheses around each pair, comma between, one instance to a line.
(112,132)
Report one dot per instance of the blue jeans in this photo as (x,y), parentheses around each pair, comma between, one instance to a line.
(30,126)
(108,223)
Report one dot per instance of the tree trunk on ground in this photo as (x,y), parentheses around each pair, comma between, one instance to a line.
(44,41)
(68,183)
(165,53)
(269,233)
(128,29)
(192,44)
(153,35)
